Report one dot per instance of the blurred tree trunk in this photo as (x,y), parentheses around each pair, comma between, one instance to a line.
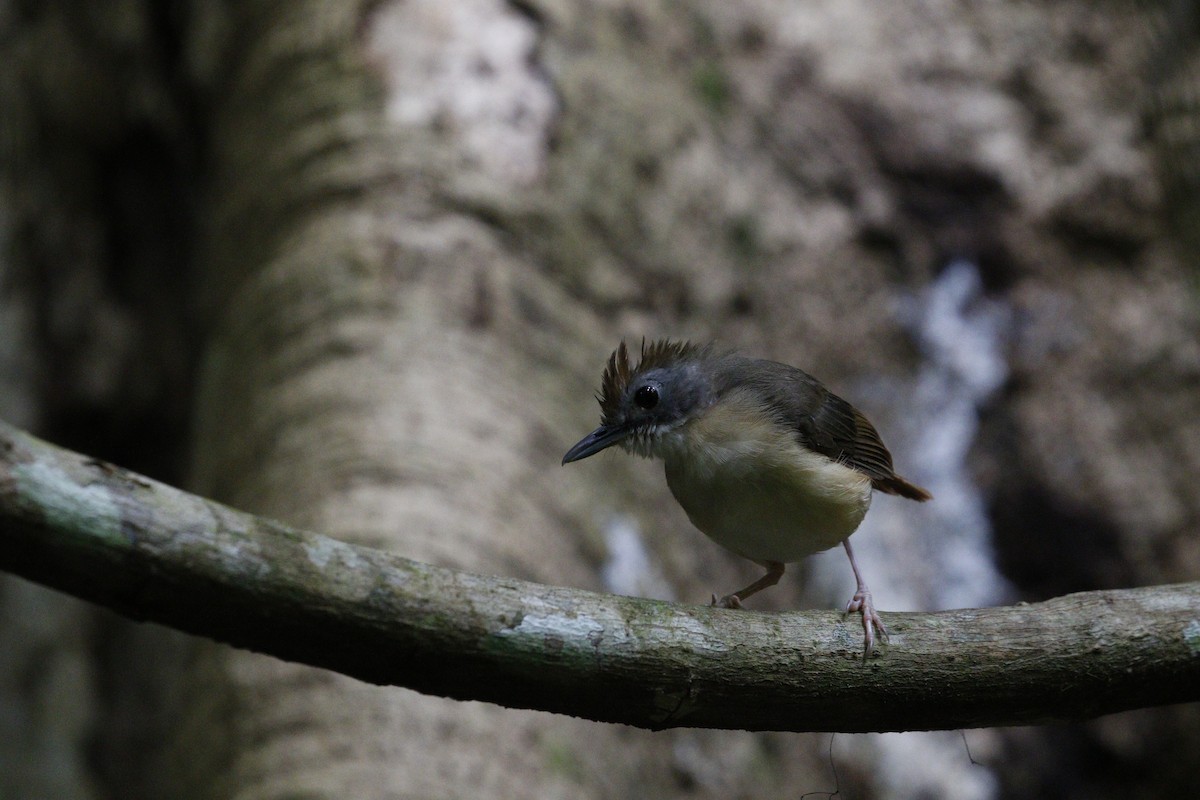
(372,367)
(356,265)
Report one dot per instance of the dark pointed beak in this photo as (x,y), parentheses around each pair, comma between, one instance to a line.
(594,442)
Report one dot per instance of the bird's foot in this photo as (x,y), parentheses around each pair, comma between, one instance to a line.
(862,602)
(728,601)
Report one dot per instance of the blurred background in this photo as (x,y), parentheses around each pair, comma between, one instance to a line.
(358,266)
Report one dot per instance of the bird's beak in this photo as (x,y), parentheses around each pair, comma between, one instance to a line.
(597,440)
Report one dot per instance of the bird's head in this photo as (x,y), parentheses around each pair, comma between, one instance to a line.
(641,405)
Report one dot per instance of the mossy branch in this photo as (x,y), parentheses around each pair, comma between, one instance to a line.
(156,553)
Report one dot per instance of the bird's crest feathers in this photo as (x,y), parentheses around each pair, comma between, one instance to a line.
(618,373)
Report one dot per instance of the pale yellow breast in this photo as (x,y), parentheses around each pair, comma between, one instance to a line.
(748,484)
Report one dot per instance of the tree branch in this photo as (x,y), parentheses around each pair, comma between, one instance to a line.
(156,553)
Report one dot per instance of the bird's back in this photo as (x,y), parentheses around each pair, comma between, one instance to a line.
(819,419)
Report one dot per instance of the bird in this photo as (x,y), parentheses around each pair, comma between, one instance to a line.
(764,459)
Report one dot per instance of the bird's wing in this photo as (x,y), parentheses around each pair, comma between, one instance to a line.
(825,423)
(838,430)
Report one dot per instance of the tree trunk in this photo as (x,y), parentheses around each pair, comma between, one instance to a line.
(371,371)
(399,238)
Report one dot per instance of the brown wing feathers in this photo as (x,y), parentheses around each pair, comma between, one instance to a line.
(831,426)
(863,450)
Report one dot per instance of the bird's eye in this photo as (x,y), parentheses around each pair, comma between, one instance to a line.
(646,397)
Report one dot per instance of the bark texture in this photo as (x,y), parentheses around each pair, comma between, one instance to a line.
(402,236)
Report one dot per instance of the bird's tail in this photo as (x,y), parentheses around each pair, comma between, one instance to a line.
(898,486)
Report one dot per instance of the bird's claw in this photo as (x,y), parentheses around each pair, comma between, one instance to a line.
(862,602)
(728,601)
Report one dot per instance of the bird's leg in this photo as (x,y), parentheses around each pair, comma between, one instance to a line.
(774,573)
(862,602)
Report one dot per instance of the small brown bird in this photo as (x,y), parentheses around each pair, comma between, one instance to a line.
(764,459)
